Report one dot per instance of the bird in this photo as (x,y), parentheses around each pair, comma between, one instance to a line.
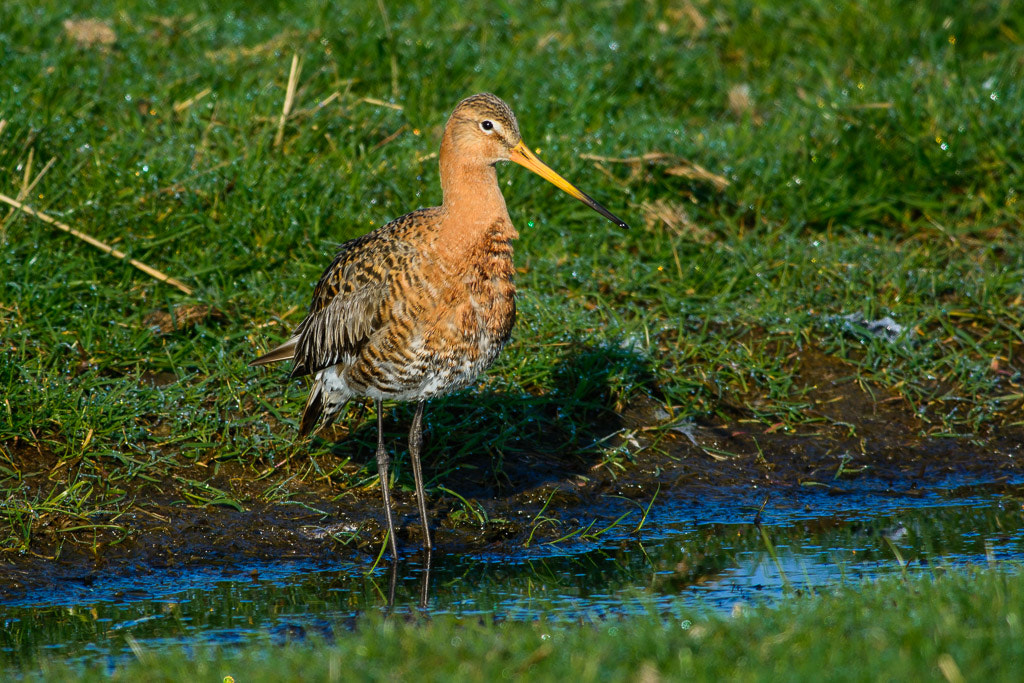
(419,307)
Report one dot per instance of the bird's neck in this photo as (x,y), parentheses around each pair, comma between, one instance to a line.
(472,189)
(472,201)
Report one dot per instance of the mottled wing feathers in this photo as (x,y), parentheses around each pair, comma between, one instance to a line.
(339,328)
(350,300)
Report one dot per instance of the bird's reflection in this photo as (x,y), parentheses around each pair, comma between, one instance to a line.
(426,565)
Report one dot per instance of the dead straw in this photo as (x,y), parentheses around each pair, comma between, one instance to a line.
(102,246)
(289,100)
(185,104)
(26,186)
(39,176)
(381,103)
(683,167)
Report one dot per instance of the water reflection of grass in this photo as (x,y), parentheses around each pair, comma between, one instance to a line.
(699,570)
(959,624)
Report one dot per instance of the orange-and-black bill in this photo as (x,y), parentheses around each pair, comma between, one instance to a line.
(522,155)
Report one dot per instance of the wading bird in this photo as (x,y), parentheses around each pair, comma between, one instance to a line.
(421,306)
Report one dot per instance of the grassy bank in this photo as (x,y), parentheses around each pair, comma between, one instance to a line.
(782,170)
(953,627)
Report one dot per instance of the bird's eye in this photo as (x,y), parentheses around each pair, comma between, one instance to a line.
(487,125)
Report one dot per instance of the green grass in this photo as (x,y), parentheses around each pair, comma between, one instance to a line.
(955,626)
(876,170)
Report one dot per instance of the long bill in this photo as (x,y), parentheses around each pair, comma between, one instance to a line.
(522,155)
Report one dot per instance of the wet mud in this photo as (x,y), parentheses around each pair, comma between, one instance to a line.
(859,436)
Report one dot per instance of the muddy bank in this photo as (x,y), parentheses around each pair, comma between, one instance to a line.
(547,506)
(855,437)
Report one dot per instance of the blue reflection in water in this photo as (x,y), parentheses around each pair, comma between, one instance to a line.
(691,554)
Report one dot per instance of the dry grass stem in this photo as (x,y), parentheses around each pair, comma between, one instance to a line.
(310,111)
(683,167)
(185,104)
(391,137)
(694,15)
(26,186)
(950,671)
(102,246)
(872,105)
(39,176)
(266,49)
(289,99)
(649,158)
(327,100)
(27,174)
(384,16)
(382,103)
(689,169)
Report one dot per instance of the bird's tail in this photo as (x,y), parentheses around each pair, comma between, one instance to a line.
(323,406)
(285,351)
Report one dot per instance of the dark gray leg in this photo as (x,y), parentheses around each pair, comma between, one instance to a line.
(392,582)
(382,469)
(415,445)
(425,585)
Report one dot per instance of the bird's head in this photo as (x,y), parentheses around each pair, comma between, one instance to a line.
(483,129)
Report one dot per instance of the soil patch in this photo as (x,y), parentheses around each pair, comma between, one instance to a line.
(859,433)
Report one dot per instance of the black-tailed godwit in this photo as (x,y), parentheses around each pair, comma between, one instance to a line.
(421,306)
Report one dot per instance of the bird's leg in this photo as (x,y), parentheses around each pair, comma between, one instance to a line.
(392,583)
(425,585)
(382,472)
(415,446)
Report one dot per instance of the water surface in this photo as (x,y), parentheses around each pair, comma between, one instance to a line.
(688,556)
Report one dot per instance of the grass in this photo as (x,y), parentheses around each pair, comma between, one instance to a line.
(872,153)
(955,626)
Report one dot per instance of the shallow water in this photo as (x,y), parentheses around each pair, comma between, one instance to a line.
(689,555)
